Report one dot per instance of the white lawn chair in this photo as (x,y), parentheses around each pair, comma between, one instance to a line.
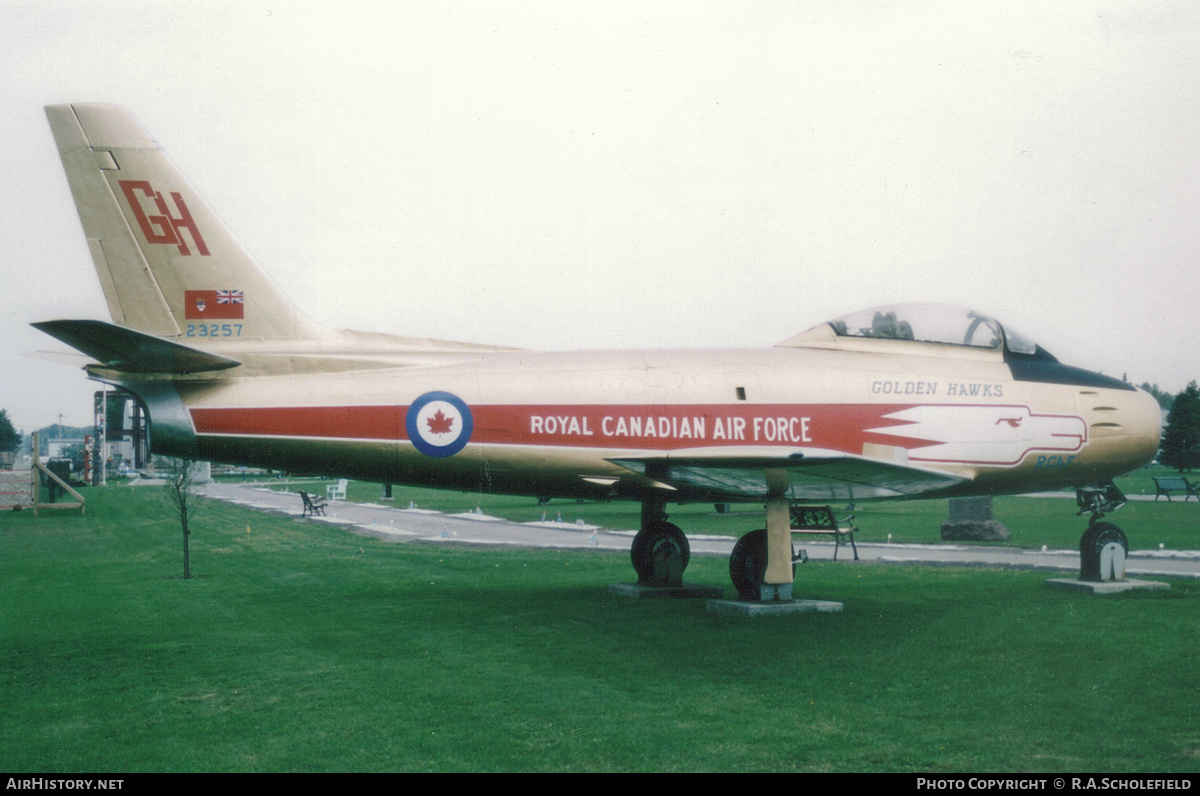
(336,491)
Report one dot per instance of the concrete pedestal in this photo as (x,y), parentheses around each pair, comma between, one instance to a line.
(783,608)
(686,591)
(1105,586)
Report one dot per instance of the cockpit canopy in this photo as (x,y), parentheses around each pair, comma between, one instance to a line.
(945,330)
(924,323)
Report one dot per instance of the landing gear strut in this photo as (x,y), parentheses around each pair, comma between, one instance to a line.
(1103,547)
(760,561)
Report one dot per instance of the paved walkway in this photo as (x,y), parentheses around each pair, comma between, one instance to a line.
(418,525)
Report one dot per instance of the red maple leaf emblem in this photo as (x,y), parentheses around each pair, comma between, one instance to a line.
(440,424)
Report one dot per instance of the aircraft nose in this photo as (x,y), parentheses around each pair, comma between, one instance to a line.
(1149,424)
(1123,429)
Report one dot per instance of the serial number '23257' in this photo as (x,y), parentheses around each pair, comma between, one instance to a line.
(214,330)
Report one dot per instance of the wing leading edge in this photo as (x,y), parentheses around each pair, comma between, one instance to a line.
(820,476)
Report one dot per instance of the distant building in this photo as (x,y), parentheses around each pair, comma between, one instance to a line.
(57,448)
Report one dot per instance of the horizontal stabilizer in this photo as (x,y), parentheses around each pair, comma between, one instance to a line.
(133,352)
(73,358)
(812,475)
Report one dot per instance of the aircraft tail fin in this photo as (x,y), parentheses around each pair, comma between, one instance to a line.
(167,265)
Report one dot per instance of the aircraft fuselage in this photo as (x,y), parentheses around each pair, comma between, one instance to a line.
(557,424)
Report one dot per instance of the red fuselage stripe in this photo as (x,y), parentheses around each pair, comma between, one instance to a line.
(831,426)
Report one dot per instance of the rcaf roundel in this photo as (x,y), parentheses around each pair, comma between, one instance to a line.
(439,424)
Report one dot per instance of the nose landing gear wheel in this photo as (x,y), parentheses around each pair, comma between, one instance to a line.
(1102,553)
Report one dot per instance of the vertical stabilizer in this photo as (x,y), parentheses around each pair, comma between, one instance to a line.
(168,266)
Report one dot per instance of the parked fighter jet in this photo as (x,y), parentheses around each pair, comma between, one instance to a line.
(900,402)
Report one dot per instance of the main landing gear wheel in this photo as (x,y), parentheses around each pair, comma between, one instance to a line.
(660,554)
(748,565)
(1097,539)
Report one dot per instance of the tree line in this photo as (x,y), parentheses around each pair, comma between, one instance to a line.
(1180,443)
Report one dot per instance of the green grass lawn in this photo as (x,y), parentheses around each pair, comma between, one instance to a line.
(302,647)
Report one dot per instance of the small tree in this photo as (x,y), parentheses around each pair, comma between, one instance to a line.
(1181,440)
(10,440)
(181,496)
(76,454)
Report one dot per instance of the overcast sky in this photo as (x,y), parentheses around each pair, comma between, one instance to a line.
(632,175)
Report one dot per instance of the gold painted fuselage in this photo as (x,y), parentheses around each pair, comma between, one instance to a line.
(569,424)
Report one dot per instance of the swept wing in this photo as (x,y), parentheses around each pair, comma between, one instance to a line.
(817,475)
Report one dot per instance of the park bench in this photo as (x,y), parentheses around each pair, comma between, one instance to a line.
(820,520)
(1165,486)
(313,505)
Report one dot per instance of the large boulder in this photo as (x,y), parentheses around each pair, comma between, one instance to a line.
(971,521)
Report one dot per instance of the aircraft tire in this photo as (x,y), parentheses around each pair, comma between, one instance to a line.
(651,543)
(1092,544)
(748,565)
